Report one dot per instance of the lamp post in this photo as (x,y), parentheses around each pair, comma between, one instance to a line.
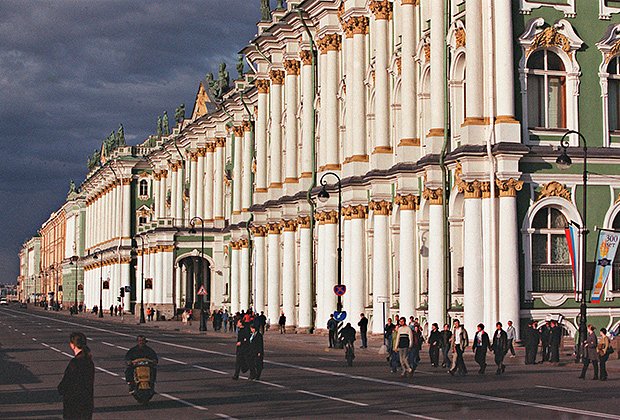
(323,196)
(564,162)
(203,320)
(74,260)
(98,252)
(142,318)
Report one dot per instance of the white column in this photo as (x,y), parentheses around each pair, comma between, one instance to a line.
(490,290)
(349,123)
(330,47)
(305,274)
(289,269)
(259,268)
(380,261)
(275,144)
(273,274)
(218,206)
(474,85)
(180,192)
(407,255)
(237,173)
(382,11)
(209,178)
(163,189)
(200,184)
(438,39)
(161,276)
(473,272)
(409,135)
(504,64)
(321,317)
(347,258)
(246,199)
(292,104)
(177,286)
(173,190)
(307,117)
(509,296)
(156,195)
(149,294)
(127,208)
(244,286)
(261,135)
(357,249)
(235,277)
(436,285)
(357,104)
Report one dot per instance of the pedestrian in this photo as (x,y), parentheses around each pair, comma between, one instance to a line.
(262,321)
(480,347)
(604,349)
(332,330)
(590,353)
(404,343)
(446,336)
(511,333)
(77,384)
(257,351)
(225,320)
(111,310)
(434,344)
(190,316)
(414,353)
(532,338)
(555,339)
(545,339)
(282,323)
(242,349)
(116,311)
(184,317)
(387,335)
(363,324)
(458,343)
(499,347)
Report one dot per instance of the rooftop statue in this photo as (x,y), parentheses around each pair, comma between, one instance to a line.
(179,114)
(165,128)
(210,81)
(159,128)
(265,11)
(71,187)
(240,66)
(120,136)
(223,80)
(280,5)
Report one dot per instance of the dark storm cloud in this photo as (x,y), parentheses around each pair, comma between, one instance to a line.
(71,71)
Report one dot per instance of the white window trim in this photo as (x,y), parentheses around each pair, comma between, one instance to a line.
(570,212)
(606,46)
(526,7)
(605,11)
(573,71)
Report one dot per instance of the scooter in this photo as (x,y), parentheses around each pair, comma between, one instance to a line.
(144,373)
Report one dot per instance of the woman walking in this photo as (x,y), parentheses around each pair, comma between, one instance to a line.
(604,350)
(78,381)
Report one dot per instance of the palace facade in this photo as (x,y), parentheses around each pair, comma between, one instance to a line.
(434,125)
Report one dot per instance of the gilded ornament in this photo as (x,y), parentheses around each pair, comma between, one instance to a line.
(508,187)
(433,196)
(407,202)
(470,189)
(238,131)
(262,85)
(382,9)
(303,222)
(247,126)
(380,208)
(613,52)
(330,42)
(288,225)
(550,37)
(427,52)
(277,77)
(553,189)
(306,58)
(273,228)
(461,38)
(485,187)
(220,142)
(243,243)
(291,67)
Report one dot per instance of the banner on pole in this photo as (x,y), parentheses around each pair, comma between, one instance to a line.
(570,239)
(605,253)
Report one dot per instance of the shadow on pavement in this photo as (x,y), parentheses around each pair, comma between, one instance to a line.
(12,373)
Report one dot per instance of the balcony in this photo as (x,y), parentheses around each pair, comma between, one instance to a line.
(552,278)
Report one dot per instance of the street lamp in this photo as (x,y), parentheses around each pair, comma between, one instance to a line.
(203,320)
(323,196)
(73,261)
(142,318)
(96,256)
(564,162)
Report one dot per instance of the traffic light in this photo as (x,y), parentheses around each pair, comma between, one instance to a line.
(122,292)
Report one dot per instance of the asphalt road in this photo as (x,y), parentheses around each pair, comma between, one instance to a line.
(302,379)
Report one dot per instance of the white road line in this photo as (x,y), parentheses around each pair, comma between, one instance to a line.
(122,348)
(106,371)
(16,329)
(34,339)
(224,416)
(557,389)
(23,333)
(174,361)
(210,370)
(332,398)
(58,329)
(66,354)
(88,338)
(417,416)
(107,344)
(328,359)
(46,345)
(272,384)
(55,349)
(222,344)
(172,397)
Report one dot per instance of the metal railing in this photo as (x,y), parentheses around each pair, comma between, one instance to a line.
(552,278)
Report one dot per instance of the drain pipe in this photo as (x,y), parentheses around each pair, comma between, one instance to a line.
(251,218)
(309,192)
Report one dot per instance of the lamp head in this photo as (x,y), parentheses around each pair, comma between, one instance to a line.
(323,195)
(192,230)
(564,161)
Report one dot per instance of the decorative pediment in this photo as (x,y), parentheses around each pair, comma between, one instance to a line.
(553,189)
(560,35)
(457,38)
(566,6)
(202,102)
(609,45)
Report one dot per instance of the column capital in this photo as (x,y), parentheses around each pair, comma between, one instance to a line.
(407,202)
(486,189)
(380,208)
(247,126)
(277,77)
(355,212)
(412,2)
(289,225)
(201,152)
(330,217)
(193,156)
(220,141)
(359,25)
(273,228)
(235,245)
(291,67)
(262,85)
(238,131)
(259,230)
(303,222)
(243,243)
(211,147)
(508,187)
(433,196)
(330,42)
(382,9)
(126,181)
(306,57)
(470,189)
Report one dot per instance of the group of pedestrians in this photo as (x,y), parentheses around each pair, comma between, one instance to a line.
(596,351)
(549,336)
(249,352)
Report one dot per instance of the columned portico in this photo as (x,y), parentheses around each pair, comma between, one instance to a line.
(380,260)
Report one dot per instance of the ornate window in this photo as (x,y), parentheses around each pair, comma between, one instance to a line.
(607,7)
(609,77)
(566,6)
(143,192)
(457,40)
(549,76)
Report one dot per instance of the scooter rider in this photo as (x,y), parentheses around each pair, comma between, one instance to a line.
(141,350)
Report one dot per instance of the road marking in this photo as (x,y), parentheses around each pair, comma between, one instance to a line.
(172,397)
(332,398)
(122,348)
(417,416)
(46,345)
(328,359)
(23,333)
(89,339)
(58,329)
(55,349)
(66,354)
(557,389)
(107,344)
(16,329)
(210,370)
(272,384)
(34,339)
(174,361)
(222,344)
(106,371)
(224,416)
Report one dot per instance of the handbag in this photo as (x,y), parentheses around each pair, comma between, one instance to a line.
(610,349)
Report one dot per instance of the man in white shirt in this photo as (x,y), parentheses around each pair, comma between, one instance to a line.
(512,337)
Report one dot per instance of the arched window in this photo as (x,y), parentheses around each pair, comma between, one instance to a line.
(613,86)
(551,269)
(546,85)
(144,188)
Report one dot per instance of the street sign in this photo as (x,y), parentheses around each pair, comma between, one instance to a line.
(202,291)
(340,289)
(340,316)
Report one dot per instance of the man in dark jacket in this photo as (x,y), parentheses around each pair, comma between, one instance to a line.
(545,338)
(500,348)
(589,353)
(256,352)
(446,335)
(480,347)
(332,328)
(363,324)
(139,351)
(77,385)
(242,350)
(555,340)
(434,343)
(532,338)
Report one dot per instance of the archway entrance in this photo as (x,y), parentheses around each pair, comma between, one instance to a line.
(195,272)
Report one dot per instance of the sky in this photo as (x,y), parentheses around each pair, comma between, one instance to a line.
(72,71)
